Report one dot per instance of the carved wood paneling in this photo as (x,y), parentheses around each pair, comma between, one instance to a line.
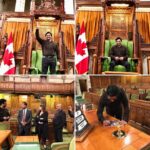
(49,7)
(7,86)
(22,87)
(119,21)
(140,112)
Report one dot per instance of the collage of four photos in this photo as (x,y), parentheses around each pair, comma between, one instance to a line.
(74,75)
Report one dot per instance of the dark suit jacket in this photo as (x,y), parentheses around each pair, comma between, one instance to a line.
(59,120)
(28,118)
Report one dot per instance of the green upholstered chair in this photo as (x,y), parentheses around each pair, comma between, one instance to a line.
(60,146)
(134,96)
(66,145)
(79,99)
(26,146)
(36,62)
(4,126)
(106,59)
(72,144)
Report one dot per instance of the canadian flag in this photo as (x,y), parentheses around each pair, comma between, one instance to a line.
(81,53)
(8,61)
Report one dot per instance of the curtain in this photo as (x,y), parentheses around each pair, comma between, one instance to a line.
(19,31)
(47,26)
(69,30)
(144,25)
(91,20)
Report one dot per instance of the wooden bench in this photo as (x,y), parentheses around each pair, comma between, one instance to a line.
(5,135)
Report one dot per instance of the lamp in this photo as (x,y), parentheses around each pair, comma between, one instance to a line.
(46,18)
(119,5)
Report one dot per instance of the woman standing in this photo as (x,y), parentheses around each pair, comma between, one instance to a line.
(42,125)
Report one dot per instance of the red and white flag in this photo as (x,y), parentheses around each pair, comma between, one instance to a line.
(8,61)
(81,53)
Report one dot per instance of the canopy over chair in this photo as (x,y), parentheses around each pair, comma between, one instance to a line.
(117,21)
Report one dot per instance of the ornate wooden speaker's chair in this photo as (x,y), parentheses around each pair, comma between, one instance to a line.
(119,21)
(53,10)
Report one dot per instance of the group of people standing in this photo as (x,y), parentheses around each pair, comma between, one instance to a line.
(40,120)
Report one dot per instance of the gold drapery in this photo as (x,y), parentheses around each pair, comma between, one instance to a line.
(47,26)
(92,23)
(19,31)
(144,25)
(91,20)
(69,30)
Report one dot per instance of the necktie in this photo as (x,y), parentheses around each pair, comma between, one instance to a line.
(24,115)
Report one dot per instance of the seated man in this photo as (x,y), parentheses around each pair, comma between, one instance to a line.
(119,55)
(113,99)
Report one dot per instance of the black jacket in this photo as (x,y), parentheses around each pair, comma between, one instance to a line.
(42,119)
(113,107)
(117,51)
(42,124)
(48,48)
(59,120)
(4,113)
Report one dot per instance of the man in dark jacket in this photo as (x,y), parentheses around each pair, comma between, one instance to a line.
(59,122)
(4,113)
(113,99)
(50,51)
(24,120)
(119,55)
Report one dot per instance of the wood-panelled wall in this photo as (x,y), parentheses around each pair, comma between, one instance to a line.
(14,102)
(104,81)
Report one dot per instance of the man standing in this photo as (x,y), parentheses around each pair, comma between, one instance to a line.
(4,113)
(50,52)
(119,55)
(113,99)
(59,122)
(24,120)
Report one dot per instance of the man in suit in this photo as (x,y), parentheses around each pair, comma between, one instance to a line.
(114,99)
(59,121)
(24,120)
(119,55)
(4,113)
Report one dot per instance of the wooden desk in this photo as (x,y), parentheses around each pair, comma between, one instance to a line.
(120,73)
(25,139)
(6,134)
(101,137)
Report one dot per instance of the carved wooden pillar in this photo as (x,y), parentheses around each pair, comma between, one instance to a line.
(99,65)
(61,51)
(29,46)
(94,64)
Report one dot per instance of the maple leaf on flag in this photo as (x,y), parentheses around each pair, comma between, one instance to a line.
(80,48)
(81,53)
(8,61)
